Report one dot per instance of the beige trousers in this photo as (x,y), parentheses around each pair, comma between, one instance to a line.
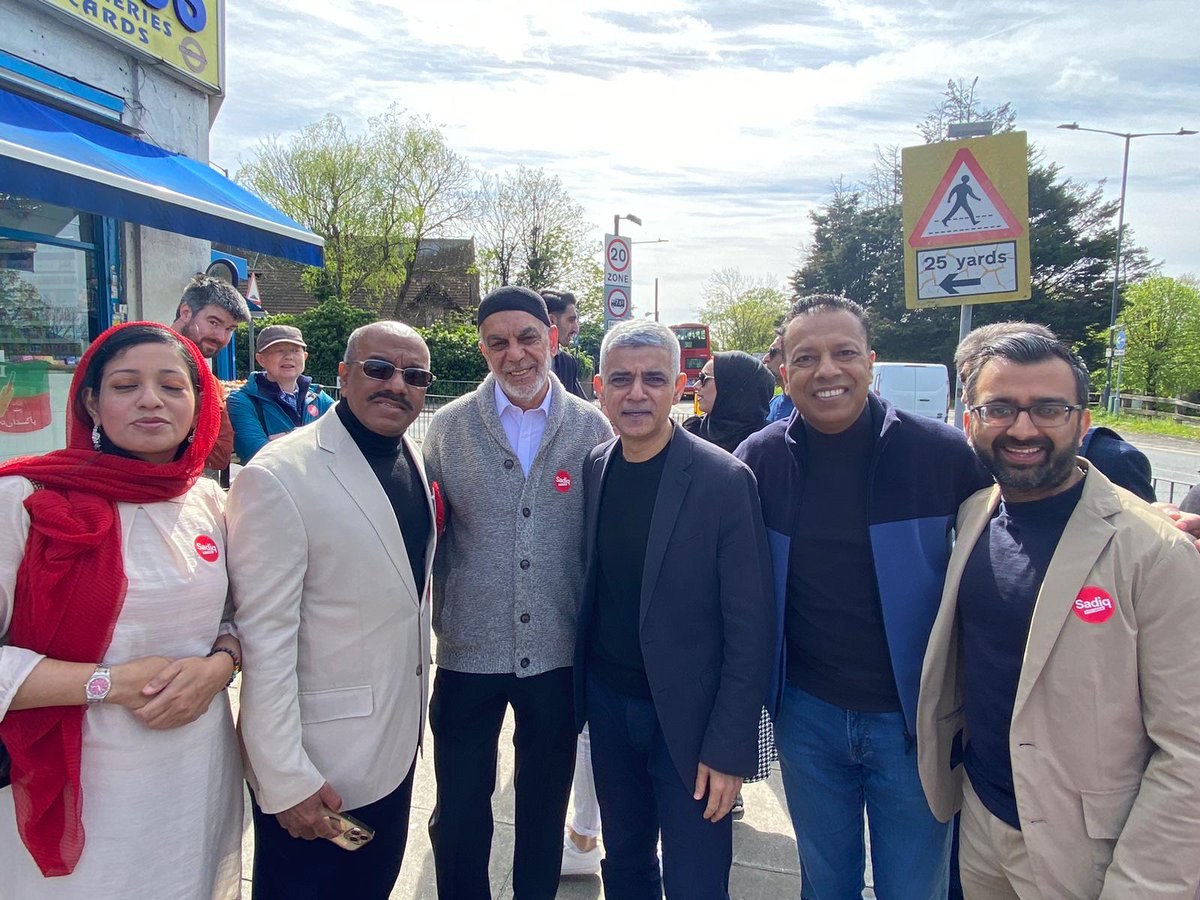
(992,861)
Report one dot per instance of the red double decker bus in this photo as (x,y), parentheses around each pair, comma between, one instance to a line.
(695,350)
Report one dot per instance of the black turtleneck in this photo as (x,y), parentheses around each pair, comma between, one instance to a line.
(398,476)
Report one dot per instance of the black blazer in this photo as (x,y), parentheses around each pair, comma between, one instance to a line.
(707,609)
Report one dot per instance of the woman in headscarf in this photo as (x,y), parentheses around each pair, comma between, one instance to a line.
(115,647)
(734,392)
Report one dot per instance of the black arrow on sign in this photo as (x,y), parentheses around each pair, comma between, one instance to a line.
(949,284)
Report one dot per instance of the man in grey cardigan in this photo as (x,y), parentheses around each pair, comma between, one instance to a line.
(508,462)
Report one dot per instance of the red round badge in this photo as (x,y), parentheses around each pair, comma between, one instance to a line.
(562,481)
(206,547)
(1094,604)
(312,410)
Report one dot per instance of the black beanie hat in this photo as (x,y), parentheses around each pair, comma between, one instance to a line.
(512,297)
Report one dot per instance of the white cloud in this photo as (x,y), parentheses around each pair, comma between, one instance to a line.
(723,125)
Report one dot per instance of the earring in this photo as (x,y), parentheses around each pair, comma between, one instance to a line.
(191,435)
(95,437)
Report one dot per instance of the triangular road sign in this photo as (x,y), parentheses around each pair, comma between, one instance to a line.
(965,205)
(252,297)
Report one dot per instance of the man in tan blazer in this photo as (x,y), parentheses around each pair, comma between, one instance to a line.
(331,540)
(1062,675)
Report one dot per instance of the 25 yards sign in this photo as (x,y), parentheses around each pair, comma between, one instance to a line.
(618,279)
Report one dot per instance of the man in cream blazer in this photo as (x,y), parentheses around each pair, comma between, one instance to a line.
(1061,676)
(331,541)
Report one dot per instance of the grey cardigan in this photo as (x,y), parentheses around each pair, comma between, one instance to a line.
(509,567)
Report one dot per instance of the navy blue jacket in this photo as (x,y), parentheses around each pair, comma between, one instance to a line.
(1122,463)
(920,471)
(707,627)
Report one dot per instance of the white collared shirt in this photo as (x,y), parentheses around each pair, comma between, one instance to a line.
(523,428)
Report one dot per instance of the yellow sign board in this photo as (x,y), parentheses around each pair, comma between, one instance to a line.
(186,35)
(966,221)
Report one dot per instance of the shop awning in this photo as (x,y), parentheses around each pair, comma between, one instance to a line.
(49,155)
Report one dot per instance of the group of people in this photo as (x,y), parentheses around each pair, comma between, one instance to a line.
(932,624)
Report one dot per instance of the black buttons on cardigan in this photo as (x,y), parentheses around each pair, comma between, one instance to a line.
(525,663)
(527,512)
(524,618)
(419,669)
(524,564)
(508,464)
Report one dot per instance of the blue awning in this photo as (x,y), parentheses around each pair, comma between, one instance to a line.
(49,155)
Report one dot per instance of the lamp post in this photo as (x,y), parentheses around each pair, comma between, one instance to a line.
(1106,396)
(617,222)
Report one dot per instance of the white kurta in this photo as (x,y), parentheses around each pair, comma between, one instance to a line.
(162,810)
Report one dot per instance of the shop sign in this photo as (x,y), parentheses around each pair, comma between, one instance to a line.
(186,35)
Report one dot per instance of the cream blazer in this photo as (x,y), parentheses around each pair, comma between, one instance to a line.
(1105,734)
(335,639)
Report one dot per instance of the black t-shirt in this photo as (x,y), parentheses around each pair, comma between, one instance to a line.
(626,507)
(398,476)
(837,647)
(996,598)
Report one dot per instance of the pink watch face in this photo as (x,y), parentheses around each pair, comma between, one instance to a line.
(98,686)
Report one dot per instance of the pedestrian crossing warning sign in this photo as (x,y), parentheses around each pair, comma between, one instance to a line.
(966,221)
(956,211)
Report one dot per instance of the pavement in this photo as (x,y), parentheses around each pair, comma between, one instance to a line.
(765,865)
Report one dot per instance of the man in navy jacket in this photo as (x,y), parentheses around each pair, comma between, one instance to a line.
(676,630)
(859,501)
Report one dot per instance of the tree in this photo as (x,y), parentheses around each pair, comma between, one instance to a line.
(323,178)
(425,189)
(531,232)
(741,311)
(373,197)
(1161,318)
(857,249)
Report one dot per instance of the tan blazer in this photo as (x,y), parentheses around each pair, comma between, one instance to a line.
(335,639)
(1105,734)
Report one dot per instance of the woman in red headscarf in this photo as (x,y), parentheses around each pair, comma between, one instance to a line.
(115,646)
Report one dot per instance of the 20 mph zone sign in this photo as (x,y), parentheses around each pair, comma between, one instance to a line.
(618,279)
(966,222)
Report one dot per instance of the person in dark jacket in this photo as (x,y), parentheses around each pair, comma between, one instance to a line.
(565,316)
(280,397)
(734,391)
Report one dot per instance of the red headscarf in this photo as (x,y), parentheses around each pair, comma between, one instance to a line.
(69,591)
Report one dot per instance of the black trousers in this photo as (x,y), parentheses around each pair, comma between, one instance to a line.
(465,714)
(288,868)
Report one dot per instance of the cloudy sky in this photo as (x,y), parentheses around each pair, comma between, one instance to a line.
(723,123)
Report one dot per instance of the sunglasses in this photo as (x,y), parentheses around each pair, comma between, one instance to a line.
(382,370)
(703,378)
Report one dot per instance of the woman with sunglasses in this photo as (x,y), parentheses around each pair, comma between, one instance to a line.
(280,397)
(115,648)
(733,392)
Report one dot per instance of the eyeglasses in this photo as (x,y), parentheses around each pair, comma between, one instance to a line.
(1043,415)
(382,370)
(703,378)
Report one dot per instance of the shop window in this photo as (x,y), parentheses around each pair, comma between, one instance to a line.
(52,303)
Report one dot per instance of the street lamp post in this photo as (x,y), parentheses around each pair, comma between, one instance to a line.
(617,222)
(1106,396)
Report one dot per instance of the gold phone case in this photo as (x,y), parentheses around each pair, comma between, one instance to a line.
(354,833)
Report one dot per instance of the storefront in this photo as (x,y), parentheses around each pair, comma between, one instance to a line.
(107,202)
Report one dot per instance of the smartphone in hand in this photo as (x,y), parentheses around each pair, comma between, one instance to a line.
(353,834)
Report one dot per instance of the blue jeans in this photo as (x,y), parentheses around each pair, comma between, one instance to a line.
(642,795)
(835,762)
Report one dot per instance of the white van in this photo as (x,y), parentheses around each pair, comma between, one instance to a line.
(921,388)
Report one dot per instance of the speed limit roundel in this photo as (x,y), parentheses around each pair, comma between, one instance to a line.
(617,253)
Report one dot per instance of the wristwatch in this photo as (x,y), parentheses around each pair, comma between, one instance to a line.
(98,685)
